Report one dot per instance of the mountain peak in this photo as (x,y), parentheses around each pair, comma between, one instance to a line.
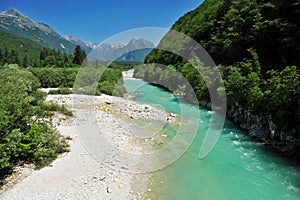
(14,12)
(141,43)
(79,42)
(16,23)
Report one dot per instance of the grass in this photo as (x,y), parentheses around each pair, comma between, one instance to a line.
(59,108)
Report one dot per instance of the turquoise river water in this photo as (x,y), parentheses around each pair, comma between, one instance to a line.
(236,169)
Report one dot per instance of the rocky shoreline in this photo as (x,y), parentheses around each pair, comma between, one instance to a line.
(78,174)
(263,131)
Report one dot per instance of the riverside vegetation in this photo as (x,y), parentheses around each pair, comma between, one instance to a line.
(26,134)
(255,45)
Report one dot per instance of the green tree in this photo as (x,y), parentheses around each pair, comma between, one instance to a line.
(24,137)
(253,42)
(79,55)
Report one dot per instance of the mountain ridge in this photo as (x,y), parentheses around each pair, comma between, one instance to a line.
(77,41)
(14,22)
(134,50)
(23,46)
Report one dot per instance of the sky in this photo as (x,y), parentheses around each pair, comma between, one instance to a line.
(97,20)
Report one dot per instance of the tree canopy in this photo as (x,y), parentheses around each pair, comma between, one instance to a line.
(256,45)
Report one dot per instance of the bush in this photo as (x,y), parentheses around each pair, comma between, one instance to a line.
(87,80)
(50,145)
(61,91)
(23,135)
(52,77)
(58,108)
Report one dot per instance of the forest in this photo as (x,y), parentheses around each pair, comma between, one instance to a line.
(256,47)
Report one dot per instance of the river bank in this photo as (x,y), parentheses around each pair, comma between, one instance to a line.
(77,174)
(262,130)
(237,168)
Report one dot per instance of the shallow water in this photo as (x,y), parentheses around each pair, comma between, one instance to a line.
(236,169)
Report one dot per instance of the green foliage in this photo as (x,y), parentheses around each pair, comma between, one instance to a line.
(61,91)
(17,50)
(10,149)
(37,32)
(52,77)
(281,98)
(119,90)
(106,87)
(125,66)
(50,145)
(88,81)
(253,42)
(23,135)
(53,58)
(244,89)
(31,140)
(25,53)
(79,55)
(228,28)
(19,98)
(58,108)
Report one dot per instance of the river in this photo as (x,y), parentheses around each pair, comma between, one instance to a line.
(236,169)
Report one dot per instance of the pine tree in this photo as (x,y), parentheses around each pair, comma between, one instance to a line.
(1,57)
(5,56)
(43,54)
(26,61)
(79,55)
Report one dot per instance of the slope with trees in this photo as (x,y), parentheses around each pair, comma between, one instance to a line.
(256,45)
(14,49)
(14,22)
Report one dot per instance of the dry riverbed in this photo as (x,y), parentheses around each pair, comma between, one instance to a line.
(80,174)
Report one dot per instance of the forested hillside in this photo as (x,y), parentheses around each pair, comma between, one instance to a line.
(14,22)
(228,28)
(14,49)
(256,45)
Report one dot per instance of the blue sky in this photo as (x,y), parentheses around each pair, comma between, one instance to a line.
(97,20)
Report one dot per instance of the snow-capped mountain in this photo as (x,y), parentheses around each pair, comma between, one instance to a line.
(134,51)
(87,48)
(16,23)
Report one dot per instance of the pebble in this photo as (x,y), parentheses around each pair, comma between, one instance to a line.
(102,179)
(108,190)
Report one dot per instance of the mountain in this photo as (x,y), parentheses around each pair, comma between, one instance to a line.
(135,56)
(24,47)
(16,23)
(93,45)
(85,46)
(133,51)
